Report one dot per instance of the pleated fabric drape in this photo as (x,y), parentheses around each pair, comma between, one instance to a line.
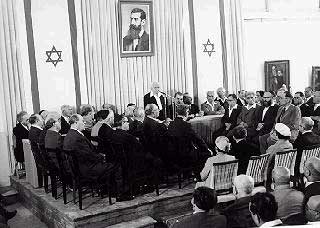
(119,81)
(12,98)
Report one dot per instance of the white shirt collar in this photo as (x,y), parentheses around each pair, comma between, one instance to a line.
(306,131)
(234,107)
(36,126)
(154,95)
(252,106)
(154,119)
(77,131)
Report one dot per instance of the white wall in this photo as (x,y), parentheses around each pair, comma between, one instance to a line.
(294,39)
(207,26)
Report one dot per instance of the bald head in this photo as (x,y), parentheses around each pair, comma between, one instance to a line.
(307,123)
(281,175)
(244,184)
(312,169)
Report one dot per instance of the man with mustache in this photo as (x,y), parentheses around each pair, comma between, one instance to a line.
(137,38)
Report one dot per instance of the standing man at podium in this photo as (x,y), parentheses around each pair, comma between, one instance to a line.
(158,98)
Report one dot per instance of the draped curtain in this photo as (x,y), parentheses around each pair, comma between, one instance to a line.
(232,44)
(12,99)
(119,81)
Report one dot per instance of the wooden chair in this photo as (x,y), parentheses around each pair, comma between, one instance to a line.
(80,182)
(222,175)
(256,168)
(286,159)
(312,151)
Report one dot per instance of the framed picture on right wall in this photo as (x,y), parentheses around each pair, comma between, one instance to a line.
(315,83)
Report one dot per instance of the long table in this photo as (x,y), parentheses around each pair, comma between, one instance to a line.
(206,125)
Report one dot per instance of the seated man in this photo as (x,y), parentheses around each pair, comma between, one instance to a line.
(91,164)
(53,139)
(315,112)
(194,109)
(238,214)
(289,200)
(312,174)
(305,108)
(283,134)
(242,149)
(172,108)
(182,152)
(247,117)
(229,119)
(204,199)
(37,125)
(308,92)
(241,101)
(210,107)
(263,208)
(222,147)
(154,131)
(221,97)
(305,138)
(66,112)
(136,126)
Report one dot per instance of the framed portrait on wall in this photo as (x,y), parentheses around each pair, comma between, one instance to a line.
(315,78)
(136,32)
(277,74)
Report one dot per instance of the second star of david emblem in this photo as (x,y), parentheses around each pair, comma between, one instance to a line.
(208,47)
(54,56)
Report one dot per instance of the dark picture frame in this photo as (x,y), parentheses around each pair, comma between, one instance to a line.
(315,78)
(276,74)
(133,41)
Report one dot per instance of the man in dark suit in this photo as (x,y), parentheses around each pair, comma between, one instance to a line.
(157,98)
(242,149)
(194,109)
(66,112)
(266,115)
(305,138)
(37,125)
(21,131)
(154,132)
(221,97)
(137,38)
(172,109)
(305,108)
(229,120)
(308,93)
(315,112)
(241,101)
(181,149)
(136,126)
(91,164)
(204,199)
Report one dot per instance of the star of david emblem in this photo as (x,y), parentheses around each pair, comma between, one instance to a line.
(209,47)
(54,56)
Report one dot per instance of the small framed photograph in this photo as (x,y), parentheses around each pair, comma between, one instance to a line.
(136,32)
(277,75)
(315,78)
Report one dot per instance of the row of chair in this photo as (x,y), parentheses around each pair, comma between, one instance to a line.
(224,173)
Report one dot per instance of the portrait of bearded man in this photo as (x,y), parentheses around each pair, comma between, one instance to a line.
(137,39)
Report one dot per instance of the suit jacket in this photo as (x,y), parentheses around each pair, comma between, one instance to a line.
(233,117)
(310,101)
(238,214)
(154,135)
(65,126)
(268,119)
(203,220)
(306,110)
(143,43)
(21,133)
(291,118)
(249,118)
(53,140)
(136,129)
(194,109)
(242,151)
(34,137)
(216,110)
(224,103)
(152,100)
(182,131)
(90,163)
(241,102)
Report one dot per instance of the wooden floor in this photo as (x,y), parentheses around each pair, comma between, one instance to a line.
(97,212)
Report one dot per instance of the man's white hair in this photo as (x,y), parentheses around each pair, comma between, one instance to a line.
(244,183)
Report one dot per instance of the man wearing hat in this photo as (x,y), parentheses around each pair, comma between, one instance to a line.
(283,135)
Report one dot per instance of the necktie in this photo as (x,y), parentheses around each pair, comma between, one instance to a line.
(281,115)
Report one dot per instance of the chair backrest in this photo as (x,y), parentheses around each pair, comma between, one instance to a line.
(256,168)
(222,175)
(312,151)
(286,159)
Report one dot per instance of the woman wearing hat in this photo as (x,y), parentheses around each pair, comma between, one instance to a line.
(283,134)
(222,147)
